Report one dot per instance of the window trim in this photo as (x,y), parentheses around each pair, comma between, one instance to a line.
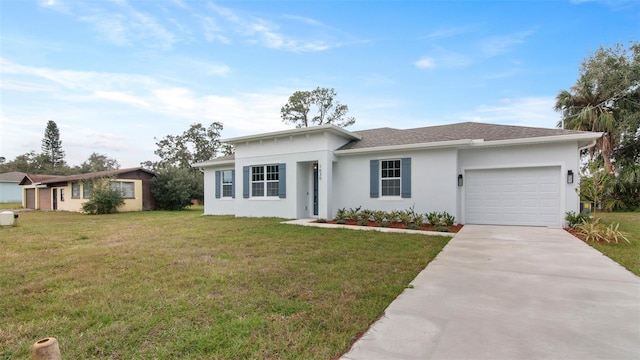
(76,195)
(279,191)
(120,183)
(375,176)
(267,171)
(382,178)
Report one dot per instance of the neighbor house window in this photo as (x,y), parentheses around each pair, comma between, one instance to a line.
(61,194)
(264,180)
(127,188)
(75,190)
(390,177)
(227,183)
(87,189)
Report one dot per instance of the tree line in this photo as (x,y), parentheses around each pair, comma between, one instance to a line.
(176,183)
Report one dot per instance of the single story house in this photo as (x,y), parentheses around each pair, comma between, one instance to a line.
(10,191)
(51,192)
(480,173)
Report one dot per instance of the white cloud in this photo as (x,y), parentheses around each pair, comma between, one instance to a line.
(442,58)
(448,32)
(497,45)
(425,63)
(526,111)
(267,33)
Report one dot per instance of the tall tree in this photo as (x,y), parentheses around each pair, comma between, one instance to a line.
(322,100)
(196,144)
(52,145)
(98,162)
(604,99)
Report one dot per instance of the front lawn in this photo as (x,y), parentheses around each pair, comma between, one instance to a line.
(165,285)
(627,255)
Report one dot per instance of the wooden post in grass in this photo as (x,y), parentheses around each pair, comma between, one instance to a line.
(46,349)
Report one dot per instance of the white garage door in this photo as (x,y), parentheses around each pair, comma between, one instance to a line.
(514,196)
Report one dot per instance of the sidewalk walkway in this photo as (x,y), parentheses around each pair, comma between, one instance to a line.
(511,293)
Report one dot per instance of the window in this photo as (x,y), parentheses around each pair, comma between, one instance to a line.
(75,190)
(264,181)
(390,177)
(227,183)
(61,194)
(87,189)
(127,189)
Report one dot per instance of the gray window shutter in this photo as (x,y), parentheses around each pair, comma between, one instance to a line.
(233,184)
(282,180)
(405,172)
(218,184)
(245,182)
(374,178)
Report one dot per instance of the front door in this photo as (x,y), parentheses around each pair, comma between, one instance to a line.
(315,189)
(55,199)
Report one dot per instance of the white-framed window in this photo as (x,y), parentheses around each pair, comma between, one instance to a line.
(75,190)
(264,180)
(127,188)
(61,194)
(390,177)
(227,183)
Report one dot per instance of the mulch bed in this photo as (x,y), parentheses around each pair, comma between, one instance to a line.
(425,227)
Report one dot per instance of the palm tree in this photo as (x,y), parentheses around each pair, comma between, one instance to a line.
(588,109)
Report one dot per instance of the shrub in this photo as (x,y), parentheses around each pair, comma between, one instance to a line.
(596,231)
(433,218)
(440,218)
(173,188)
(380,217)
(416,218)
(574,219)
(353,213)
(321,220)
(442,229)
(341,216)
(104,198)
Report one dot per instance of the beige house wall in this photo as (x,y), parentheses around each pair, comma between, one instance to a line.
(71,204)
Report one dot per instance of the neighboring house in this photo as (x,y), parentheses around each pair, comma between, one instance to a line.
(10,191)
(481,173)
(50,192)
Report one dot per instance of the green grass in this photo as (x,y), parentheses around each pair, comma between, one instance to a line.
(10,206)
(164,285)
(627,255)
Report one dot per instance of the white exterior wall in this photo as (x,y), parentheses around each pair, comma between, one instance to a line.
(433,182)
(221,206)
(565,155)
(299,153)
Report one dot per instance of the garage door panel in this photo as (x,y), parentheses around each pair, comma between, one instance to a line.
(514,196)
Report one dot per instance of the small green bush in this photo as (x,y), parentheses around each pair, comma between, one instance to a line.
(574,219)
(440,218)
(593,231)
(341,216)
(104,198)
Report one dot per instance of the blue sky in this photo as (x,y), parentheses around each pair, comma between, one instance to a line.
(115,74)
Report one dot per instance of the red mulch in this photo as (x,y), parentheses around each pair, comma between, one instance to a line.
(425,227)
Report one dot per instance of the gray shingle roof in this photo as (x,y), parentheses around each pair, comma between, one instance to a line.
(468,130)
(14,176)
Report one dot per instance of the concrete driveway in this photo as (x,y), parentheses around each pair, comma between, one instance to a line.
(499,292)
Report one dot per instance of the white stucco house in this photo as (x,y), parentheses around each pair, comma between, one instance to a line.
(481,173)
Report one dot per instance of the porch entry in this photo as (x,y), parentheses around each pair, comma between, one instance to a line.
(308,185)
